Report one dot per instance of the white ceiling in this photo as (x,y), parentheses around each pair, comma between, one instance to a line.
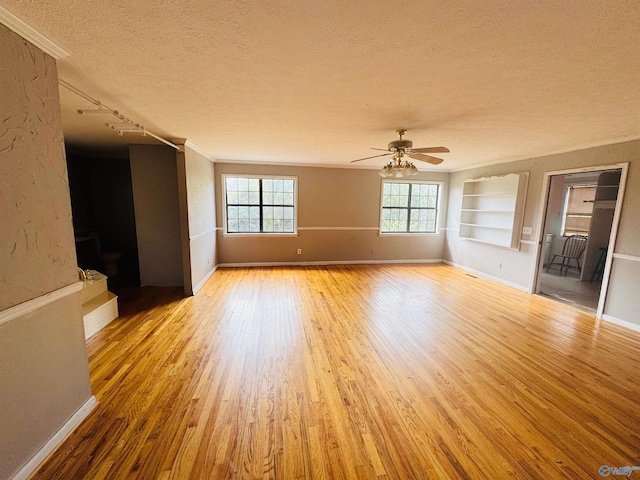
(320,82)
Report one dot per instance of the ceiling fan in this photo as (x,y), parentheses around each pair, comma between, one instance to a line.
(397,165)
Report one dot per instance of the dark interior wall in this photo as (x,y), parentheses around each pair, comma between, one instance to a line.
(80,189)
(102,202)
(113,204)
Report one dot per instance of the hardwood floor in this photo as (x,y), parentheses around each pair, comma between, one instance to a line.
(355,372)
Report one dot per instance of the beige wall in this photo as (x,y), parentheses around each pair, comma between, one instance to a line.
(346,203)
(33,171)
(517,265)
(155,201)
(622,301)
(44,377)
(198,217)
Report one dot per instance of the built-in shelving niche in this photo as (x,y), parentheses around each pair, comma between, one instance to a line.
(493,209)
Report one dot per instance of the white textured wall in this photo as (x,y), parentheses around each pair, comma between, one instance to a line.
(622,301)
(201,206)
(35,207)
(44,377)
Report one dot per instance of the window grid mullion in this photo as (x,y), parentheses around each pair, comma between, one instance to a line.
(409,209)
(289,208)
(226,201)
(412,212)
(261,207)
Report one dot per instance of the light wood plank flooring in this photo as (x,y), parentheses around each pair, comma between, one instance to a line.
(355,372)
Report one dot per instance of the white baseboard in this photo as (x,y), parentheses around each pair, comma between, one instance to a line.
(56,440)
(326,262)
(623,323)
(204,280)
(484,275)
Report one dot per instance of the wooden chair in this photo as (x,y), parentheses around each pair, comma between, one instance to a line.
(572,250)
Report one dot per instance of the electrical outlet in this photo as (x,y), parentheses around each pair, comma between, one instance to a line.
(526,230)
(299,251)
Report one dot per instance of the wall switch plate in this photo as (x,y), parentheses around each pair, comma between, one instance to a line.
(526,230)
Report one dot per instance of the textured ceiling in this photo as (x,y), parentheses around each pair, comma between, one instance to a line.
(321,82)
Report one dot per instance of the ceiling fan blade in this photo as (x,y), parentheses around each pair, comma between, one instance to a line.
(375,156)
(426,158)
(381,149)
(431,150)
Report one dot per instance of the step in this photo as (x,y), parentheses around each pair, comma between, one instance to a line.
(94,287)
(98,312)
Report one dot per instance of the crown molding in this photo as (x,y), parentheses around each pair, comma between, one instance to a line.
(197,149)
(13,23)
(584,146)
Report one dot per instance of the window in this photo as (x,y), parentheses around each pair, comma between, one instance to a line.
(409,207)
(260,204)
(578,209)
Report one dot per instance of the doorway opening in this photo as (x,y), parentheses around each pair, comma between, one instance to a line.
(103,217)
(579,224)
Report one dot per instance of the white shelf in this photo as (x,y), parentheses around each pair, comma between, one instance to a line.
(485,211)
(487,242)
(492,209)
(485,226)
(487,194)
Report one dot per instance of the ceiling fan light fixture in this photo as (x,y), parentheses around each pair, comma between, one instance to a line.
(387,171)
(398,169)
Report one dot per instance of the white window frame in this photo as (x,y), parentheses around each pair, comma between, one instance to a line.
(438,207)
(224,176)
(565,206)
